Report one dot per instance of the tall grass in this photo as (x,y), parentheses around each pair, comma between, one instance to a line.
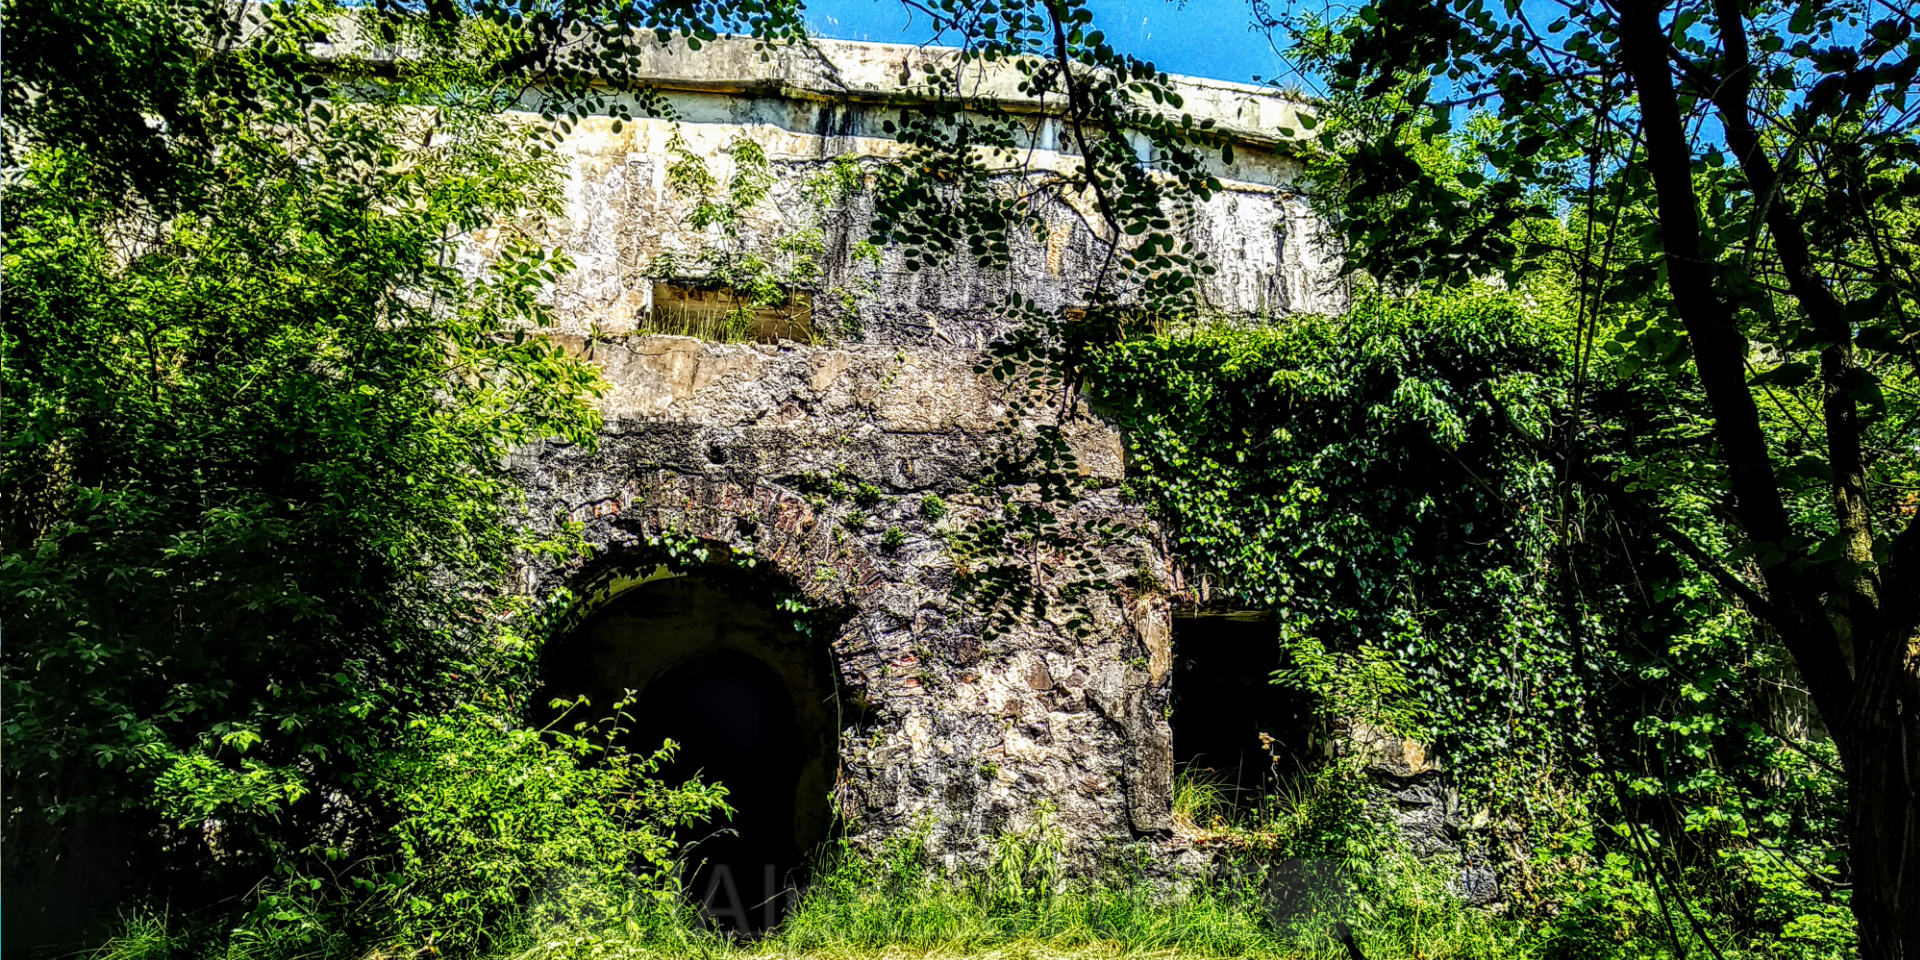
(1200,802)
(861,906)
(142,936)
(1285,868)
(1289,865)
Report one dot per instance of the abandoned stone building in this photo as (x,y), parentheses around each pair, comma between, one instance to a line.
(811,649)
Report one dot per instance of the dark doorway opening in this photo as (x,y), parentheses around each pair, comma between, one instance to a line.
(1224,700)
(735,723)
(748,701)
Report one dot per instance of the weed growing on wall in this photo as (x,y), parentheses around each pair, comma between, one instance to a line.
(742,285)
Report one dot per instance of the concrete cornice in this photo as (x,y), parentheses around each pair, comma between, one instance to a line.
(861,72)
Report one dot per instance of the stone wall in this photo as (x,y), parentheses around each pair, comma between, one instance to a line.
(945,729)
(805,108)
(1258,234)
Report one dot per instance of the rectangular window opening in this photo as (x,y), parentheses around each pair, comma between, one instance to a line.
(688,309)
(1224,700)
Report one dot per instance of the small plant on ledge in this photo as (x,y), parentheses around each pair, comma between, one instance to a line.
(738,288)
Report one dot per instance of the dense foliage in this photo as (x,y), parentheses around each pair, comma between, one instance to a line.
(257,521)
(1730,190)
(1348,474)
(1432,575)
(1590,540)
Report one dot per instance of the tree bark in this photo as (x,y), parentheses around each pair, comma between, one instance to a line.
(1720,357)
(1881,757)
(1730,93)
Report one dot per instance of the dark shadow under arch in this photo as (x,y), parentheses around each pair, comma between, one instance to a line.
(735,723)
(749,699)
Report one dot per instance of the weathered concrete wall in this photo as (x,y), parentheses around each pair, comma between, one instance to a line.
(945,728)
(806,107)
(1260,237)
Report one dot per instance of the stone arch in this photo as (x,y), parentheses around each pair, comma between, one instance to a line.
(706,604)
(656,523)
(713,664)
(945,733)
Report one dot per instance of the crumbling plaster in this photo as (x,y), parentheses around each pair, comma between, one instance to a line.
(1258,233)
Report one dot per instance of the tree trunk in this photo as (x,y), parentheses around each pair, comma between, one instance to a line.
(1880,753)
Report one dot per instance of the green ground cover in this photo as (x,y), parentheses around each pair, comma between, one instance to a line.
(893,903)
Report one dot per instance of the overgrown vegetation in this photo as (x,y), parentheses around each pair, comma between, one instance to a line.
(1728,191)
(1608,712)
(261,668)
(1627,542)
(754,287)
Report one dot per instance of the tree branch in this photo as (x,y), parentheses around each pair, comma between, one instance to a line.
(1837,363)
(1629,505)
(1720,354)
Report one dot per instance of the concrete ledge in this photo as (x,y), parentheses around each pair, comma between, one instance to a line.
(849,71)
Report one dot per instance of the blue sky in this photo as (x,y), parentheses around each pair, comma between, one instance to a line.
(1202,38)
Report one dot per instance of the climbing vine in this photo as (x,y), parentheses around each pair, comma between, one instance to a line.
(1025,555)
(1350,476)
(1375,481)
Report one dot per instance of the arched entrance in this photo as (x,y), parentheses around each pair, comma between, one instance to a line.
(750,702)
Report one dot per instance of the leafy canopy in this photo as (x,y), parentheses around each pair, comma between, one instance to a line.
(270,335)
(1729,189)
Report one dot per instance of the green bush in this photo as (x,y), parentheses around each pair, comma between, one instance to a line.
(503,825)
(497,832)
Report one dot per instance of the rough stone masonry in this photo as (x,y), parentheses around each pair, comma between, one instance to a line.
(936,727)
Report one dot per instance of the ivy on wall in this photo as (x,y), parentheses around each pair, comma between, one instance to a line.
(1376,480)
(1349,475)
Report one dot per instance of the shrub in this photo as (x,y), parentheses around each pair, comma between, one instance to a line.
(498,831)
(502,826)
(932,507)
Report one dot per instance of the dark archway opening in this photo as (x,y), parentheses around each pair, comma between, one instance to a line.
(749,701)
(1224,699)
(735,724)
